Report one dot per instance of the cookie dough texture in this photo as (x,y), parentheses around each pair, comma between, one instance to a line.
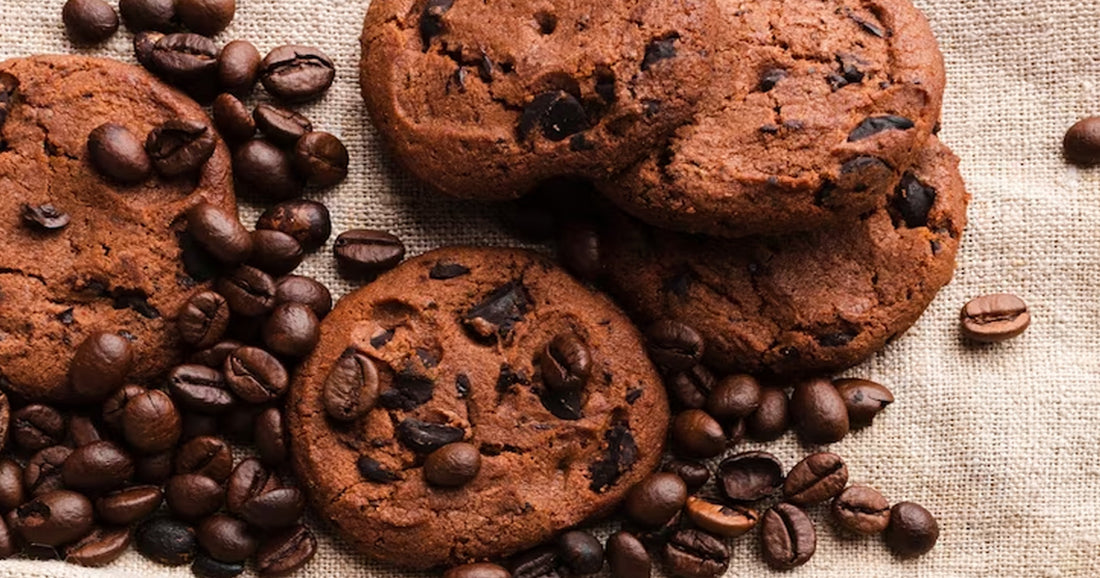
(803,303)
(485,99)
(117,266)
(456,336)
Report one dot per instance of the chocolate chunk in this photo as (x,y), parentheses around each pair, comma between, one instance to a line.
(838,339)
(565,405)
(485,68)
(410,391)
(462,385)
(619,457)
(443,271)
(859,173)
(424,437)
(770,78)
(380,340)
(375,472)
(557,113)
(499,312)
(431,21)
(678,285)
(579,143)
(508,378)
(8,85)
(875,124)
(913,201)
(658,50)
(868,26)
(43,217)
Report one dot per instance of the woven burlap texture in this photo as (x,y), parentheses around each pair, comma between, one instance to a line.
(1001,442)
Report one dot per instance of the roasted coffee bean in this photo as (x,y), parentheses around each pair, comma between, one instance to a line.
(770,420)
(154,469)
(5,418)
(114,406)
(128,506)
(912,530)
(45,217)
(286,552)
(275,509)
(227,539)
(818,412)
(995,318)
(281,126)
(206,17)
(9,545)
(99,548)
(248,480)
(209,456)
(239,68)
(231,116)
(41,552)
(206,567)
(83,431)
(117,154)
(566,362)
(861,510)
(304,290)
(166,541)
(100,365)
(307,221)
(627,557)
(452,465)
(735,397)
(750,476)
(53,519)
(43,472)
(696,554)
(297,73)
(215,356)
(321,159)
(266,170)
(185,58)
(539,562)
(144,45)
(97,467)
(203,319)
(272,437)
(478,570)
(219,232)
(141,15)
(696,434)
(275,252)
(581,552)
(255,375)
(365,252)
(579,249)
(1082,142)
(425,437)
(89,21)
(192,497)
(181,147)
(815,479)
(720,519)
(200,389)
(12,493)
(691,387)
(656,499)
(36,426)
(674,346)
(788,538)
(351,388)
(292,330)
(863,399)
(151,423)
(249,291)
(556,113)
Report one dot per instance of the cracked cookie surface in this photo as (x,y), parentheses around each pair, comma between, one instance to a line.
(456,337)
(817,106)
(810,302)
(117,265)
(485,99)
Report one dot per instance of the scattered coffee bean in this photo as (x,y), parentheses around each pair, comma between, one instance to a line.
(219,232)
(180,147)
(184,57)
(272,437)
(478,570)
(815,479)
(286,552)
(566,362)
(750,476)
(691,388)
(292,330)
(674,346)
(720,519)
(145,44)
(43,472)
(995,318)
(239,68)
(215,356)
(101,363)
(788,538)
(1082,142)
(166,541)
(351,388)
(912,530)
(735,397)
(232,118)
(275,252)
(141,15)
(307,221)
(696,434)
(627,557)
(363,252)
(97,467)
(278,508)
(539,562)
(53,519)
(203,319)
(206,17)
(117,154)
(249,479)
(696,554)
(861,510)
(226,538)
(192,497)
(818,412)
(128,506)
(45,217)
(770,420)
(321,159)
(35,427)
(154,469)
(695,474)
(282,126)
(656,499)
(208,456)
(452,465)
(249,291)
(266,170)
(151,423)
(581,552)
(200,389)
(12,493)
(863,399)
(89,21)
(83,431)
(297,73)
(99,548)
(579,249)
(255,375)
(304,290)
(206,567)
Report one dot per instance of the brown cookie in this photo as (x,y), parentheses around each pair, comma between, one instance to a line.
(485,99)
(811,302)
(460,357)
(117,265)
(816,109)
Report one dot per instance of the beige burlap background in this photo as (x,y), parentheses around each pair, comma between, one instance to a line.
(1002,443)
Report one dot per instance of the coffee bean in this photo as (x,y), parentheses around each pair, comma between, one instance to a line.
(231,116)
(99,366)
(815,479)
(995,318)
(656,499)
(203,319)
(1082,142)
(477,570)
(200,389)
(275,252)
(818,412)
(286,552)
(227,539)
(45,217)
(151,423)
(861,510)
(99,548)
(41,552)
(321,159)
(863,399)
(720,519)
(239,68)
(117,154)
(181,147)
(696,554)
(36,426)
(206,17)
(556,113)
(674,346)
(307,221)
(579,249)
(215,356)
(292,330)
(696,434)
(185,58)
(539,562)
(304,290)
(351,388)
(141,15)
(627,557)
(43,472)
(166,541)
(770,420)
(365,252)
(425,437)
(912,530)
(275,509)
(735,397)
(255,375)
(192,497)
(452,465)
(282,126)
(750,476)
(566,362)
(53,519)
(9,545)
(145,44)
(690,388)
(208,456)
(297,73)
(581,552)
(154,469)
(206,567)
(695,474)
(12,493)
(249,291)
(272,437)
(266,170)
(89,21)
(97,467)
(83,431)
(128,506)
(788,538)
(248,480)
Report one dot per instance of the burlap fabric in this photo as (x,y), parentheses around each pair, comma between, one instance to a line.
(1002,443)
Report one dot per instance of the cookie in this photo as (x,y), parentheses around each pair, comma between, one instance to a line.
(817,108)
(117,265)
(811,302)
(485,99)
(461,358)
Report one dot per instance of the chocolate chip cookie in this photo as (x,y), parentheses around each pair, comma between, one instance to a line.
(82,253)
(810,302)
(496,348)
(485,99)
(817,107)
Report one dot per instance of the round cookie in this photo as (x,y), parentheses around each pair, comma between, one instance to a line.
(458,357)
(117,266)
(812,302)
(816,109)
(486,99)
